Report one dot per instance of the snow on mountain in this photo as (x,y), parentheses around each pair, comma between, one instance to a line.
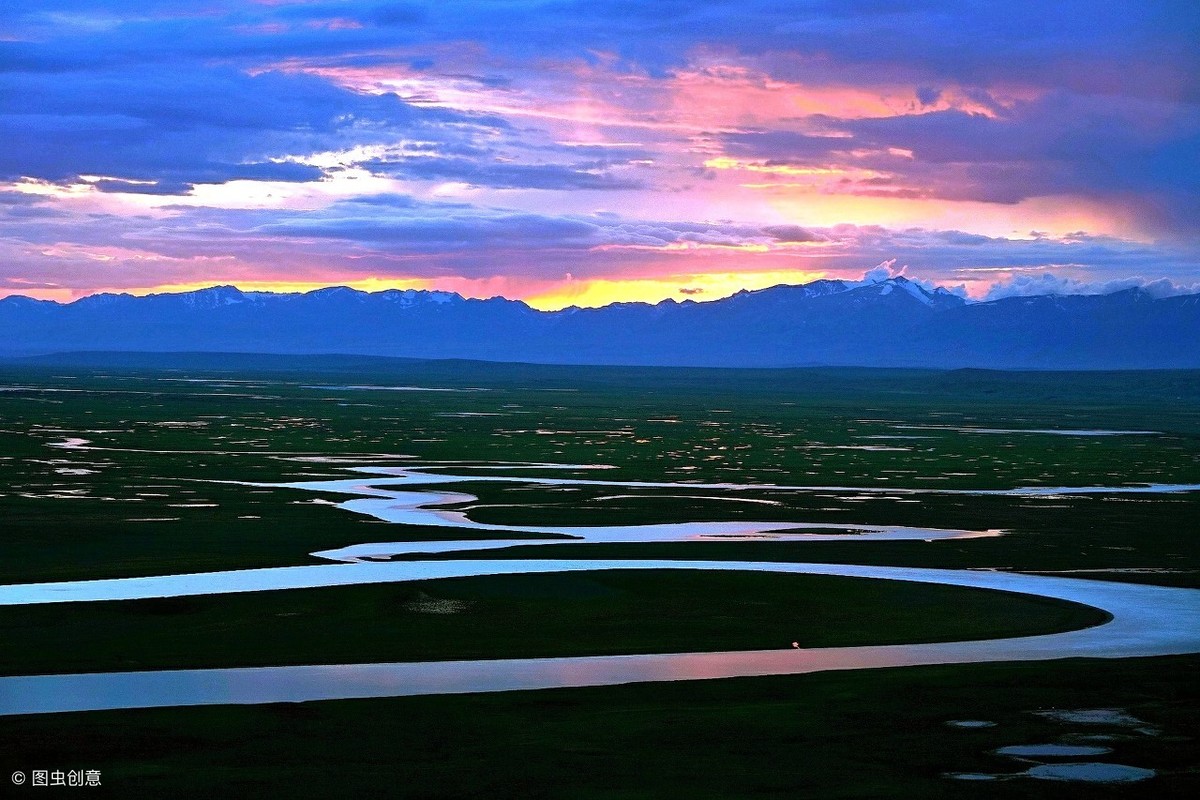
(890,322)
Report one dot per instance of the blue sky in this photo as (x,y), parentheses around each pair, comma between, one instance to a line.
(583,152)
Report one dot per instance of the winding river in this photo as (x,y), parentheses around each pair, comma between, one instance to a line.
(1145,620)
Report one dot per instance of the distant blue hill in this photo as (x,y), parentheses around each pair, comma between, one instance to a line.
(891,323)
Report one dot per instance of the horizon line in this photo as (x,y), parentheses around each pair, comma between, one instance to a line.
(178,291)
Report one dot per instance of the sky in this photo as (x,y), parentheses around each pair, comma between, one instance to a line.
(589,152)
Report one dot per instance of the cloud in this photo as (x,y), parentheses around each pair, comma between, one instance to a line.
(1125,151)
(882,272)
(439,228)
(501,175)
(791,234)
(1072,43)
(927,95)
(11,198)
(579,130)
(888,269)
(407,237)
(398,14)
(1046,283)
(181,126)
(22,285)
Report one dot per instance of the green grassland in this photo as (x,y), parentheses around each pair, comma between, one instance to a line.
(170,431)
(599,613)
(155,512)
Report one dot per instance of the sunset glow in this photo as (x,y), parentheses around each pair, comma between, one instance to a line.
(586,154)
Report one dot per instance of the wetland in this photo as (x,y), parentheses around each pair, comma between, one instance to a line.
(614,511)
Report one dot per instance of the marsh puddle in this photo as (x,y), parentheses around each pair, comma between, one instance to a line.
(1116,717)
(1090,772)
(1037,431)
(366,388)
(1051,750)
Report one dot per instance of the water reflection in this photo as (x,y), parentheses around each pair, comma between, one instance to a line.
(1146,620)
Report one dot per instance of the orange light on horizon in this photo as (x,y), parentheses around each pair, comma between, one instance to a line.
(540,294)
(705,286)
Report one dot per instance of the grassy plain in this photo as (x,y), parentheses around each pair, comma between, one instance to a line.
(600,613)
(167,430)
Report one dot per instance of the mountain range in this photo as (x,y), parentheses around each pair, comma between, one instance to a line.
(887,323)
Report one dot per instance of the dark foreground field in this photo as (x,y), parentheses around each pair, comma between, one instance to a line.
(148,497)
(852,734)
